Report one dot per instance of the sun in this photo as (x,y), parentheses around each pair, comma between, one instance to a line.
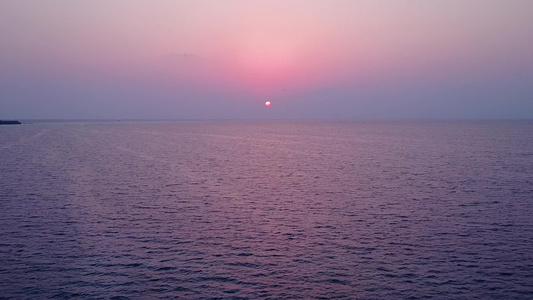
(267,104)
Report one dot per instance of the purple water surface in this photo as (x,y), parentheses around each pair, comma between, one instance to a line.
(267,210)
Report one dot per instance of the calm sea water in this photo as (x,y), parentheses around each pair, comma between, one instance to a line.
(267,210)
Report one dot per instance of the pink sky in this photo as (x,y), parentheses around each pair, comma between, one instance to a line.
(224,59)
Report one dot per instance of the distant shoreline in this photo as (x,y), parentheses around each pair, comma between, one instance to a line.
(9,122)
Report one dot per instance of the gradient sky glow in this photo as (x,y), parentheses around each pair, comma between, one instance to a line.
(222,59)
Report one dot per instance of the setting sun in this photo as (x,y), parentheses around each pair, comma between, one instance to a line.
(267,104)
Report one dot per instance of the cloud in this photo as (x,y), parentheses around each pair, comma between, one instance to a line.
(179,56)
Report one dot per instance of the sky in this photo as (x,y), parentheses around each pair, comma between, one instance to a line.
(223,59)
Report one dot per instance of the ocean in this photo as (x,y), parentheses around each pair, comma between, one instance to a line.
(267,210)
